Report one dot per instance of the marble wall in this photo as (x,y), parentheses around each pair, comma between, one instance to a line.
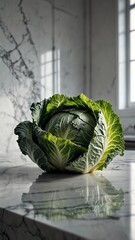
(41,52)
(103,50)
(45,48)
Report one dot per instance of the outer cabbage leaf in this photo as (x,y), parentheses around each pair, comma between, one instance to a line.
(29,147)
(44,110)
(38,110)
(114,142)
(58,151)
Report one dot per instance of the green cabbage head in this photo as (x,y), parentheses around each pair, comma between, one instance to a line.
(71,134)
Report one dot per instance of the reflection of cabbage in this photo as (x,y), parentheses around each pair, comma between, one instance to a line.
(95,197)
(71,134)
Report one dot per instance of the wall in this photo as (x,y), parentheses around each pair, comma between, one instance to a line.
(103,50)
(104,58)
(29,29)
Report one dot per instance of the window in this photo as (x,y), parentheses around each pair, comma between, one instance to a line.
(126,45)
(131,38)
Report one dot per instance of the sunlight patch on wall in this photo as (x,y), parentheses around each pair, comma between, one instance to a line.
(50,73)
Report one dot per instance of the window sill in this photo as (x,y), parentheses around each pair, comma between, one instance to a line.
(126,112)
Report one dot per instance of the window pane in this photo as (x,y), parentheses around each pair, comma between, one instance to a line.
(48,86)
(132,45)
(132,19)
(49,56)
(132,2)
(132,81)
(42,70)
(48,68)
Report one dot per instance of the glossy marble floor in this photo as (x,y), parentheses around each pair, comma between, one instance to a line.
(36,205)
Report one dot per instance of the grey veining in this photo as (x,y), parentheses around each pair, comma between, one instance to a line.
(67,206)
(28,31)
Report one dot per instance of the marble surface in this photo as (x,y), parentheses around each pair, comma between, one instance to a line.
(37,205)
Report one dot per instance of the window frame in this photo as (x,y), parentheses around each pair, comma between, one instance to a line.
(128,108)
(128,31)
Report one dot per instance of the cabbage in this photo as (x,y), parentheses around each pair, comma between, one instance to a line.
(71,134)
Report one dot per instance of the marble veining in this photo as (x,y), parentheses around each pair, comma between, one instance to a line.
(37,205)
(29,30)
(17,65)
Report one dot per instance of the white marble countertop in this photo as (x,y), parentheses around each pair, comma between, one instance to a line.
(36,205)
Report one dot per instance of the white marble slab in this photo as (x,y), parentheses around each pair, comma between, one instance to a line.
(37,205)
(29,31)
